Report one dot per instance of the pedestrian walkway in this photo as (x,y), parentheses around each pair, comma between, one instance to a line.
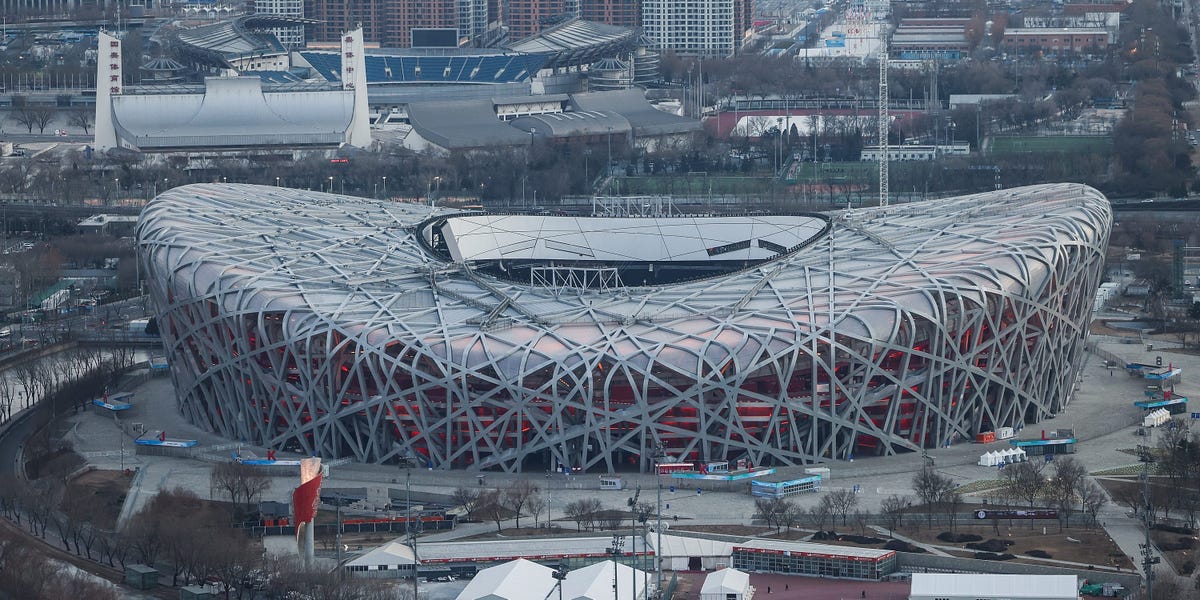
(934,550)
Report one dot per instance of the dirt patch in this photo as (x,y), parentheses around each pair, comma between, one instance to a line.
(742,530)
(1090,546)
(102,492)
(1183,560)
(529,532)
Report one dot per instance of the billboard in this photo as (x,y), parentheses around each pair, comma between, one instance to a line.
(434,38)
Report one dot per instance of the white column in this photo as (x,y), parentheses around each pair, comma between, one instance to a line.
(354,78)
(108,84)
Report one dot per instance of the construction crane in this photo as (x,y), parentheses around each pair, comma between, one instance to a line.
(884,117)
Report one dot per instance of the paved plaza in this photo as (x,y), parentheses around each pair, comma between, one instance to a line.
(1102,415)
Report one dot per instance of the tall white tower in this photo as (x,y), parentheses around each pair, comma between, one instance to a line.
(109,83)
(354,77)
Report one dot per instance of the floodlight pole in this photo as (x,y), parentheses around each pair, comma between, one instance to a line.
(658,454)
(408,528)
(338,538)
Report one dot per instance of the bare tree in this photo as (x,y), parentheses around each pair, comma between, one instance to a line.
(490,507)
(768,509)
(536,504)
(517,495)
(930,486)
(34,115)
(892,509)
(791,515)
(1092,498)
(583,512)
(861,518)
(842,502)
(225,478)
(465,498)
(1025,480)
(253,482)
(81,118)
(951,501)
(820,513)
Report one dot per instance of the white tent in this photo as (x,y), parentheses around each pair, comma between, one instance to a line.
(392,559)
(727,584)
(686,553)
(1156,418)
(595,582)
(987,459)
(514,580)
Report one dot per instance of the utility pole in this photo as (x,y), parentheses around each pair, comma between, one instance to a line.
(635,513)
(410,532)
(618,542)
(1148,558)
(658,456)
(338,538)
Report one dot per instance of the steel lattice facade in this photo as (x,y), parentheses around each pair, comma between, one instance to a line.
(301,318)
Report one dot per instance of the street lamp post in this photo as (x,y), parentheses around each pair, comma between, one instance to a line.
(410,534)
(779,145)
(658,456)
(277,182)
(560,574)
(618,543)
(331,184)
(385,186)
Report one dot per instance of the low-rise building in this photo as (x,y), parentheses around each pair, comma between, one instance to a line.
(1055,39)
(820,560)
(916,152)
(964,586)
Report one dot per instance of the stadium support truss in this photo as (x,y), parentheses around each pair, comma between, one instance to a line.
(301,319)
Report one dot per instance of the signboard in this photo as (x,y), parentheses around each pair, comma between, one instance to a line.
(114,401)
(112,405)
(724,476)
(166,443)
(1016,514)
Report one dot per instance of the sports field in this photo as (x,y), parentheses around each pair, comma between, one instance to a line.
(1051,144)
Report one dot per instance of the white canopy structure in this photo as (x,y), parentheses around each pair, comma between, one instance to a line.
(962,586)
(727,584)
(515,580)
(526,580)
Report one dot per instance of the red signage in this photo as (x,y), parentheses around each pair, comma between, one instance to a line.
(305,499)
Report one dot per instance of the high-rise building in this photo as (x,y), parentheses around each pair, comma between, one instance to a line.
(625,13)
(527,17)
(472,19)
(290,37)
(388,23)
(696,27)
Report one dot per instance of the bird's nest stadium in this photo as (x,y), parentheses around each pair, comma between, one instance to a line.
(378,331)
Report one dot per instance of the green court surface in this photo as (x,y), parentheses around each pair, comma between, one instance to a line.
(1051,144)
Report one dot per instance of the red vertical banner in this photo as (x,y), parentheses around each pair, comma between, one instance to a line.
(305,499)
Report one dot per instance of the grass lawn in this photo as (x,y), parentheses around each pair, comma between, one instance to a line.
(1052,145)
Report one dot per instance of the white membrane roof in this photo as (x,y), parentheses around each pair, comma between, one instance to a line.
(639,239)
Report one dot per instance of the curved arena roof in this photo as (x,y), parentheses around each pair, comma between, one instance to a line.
(233,112)
(335,324)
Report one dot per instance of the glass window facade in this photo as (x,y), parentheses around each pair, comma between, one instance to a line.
(805,563)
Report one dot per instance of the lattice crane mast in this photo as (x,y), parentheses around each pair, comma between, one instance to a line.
(884,117)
